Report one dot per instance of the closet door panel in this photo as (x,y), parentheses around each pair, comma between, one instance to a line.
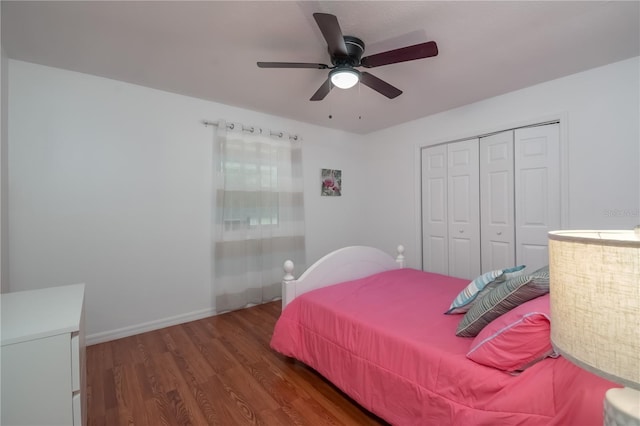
(497,201)
(434,210)
(464,212)
(537,180)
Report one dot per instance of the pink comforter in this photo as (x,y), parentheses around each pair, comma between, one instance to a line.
(385,342)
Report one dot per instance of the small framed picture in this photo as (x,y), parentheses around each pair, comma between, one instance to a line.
(331,183)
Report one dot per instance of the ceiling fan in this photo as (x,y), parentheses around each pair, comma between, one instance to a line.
(346,55)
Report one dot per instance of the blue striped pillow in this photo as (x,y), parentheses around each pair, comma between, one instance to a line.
(463,301)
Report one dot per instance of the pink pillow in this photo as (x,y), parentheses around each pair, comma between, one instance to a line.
(517,339)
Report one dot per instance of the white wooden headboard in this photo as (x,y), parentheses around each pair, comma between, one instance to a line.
(345,264)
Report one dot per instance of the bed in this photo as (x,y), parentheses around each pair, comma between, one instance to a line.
(378,332)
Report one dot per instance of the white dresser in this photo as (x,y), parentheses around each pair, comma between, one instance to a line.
(43,357)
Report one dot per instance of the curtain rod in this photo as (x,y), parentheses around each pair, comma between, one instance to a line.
(247,129)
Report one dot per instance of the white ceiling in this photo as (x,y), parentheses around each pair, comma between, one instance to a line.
(209,49)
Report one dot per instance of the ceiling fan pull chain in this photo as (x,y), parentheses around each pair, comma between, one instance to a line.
(360,100)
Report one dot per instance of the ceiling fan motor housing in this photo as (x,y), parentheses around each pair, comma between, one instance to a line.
(355,49)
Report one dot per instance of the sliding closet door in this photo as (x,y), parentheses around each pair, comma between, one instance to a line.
(537,185)
(434,210)
(496,202)
(463,208)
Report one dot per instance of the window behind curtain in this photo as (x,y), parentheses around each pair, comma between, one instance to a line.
(259,216)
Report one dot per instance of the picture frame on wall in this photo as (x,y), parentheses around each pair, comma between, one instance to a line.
(331,183)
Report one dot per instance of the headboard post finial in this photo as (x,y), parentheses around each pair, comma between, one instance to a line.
(400,256)
(288,283)
(288,269)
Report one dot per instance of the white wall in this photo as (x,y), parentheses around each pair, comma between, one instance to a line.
(4,270)
(601,133)
(4,173)
(110,184)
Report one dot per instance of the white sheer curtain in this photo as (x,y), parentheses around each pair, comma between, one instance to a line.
(259,215)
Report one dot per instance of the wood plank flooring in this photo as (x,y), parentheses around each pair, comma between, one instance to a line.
(215,371)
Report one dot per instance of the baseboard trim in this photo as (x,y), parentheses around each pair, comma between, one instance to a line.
(119,333)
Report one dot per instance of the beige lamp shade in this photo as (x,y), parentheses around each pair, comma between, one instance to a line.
(595,301)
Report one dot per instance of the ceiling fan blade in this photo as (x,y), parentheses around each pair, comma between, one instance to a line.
(332,33)
(322,91)
(291,65)
(379,86)
(409,53)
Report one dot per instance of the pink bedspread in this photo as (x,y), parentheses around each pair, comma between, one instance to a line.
(385,342)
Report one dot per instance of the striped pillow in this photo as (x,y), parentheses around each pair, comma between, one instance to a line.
(504,297)
(477,287)
(541,275)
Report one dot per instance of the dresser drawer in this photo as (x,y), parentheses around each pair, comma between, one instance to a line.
(76,402)
(75,362)
(36,389)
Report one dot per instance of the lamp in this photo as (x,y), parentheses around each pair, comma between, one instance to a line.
(595,311)
(344,77)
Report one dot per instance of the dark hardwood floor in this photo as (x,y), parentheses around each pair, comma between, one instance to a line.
(215,371)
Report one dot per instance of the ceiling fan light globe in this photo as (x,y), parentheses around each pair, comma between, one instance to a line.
(344,78)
